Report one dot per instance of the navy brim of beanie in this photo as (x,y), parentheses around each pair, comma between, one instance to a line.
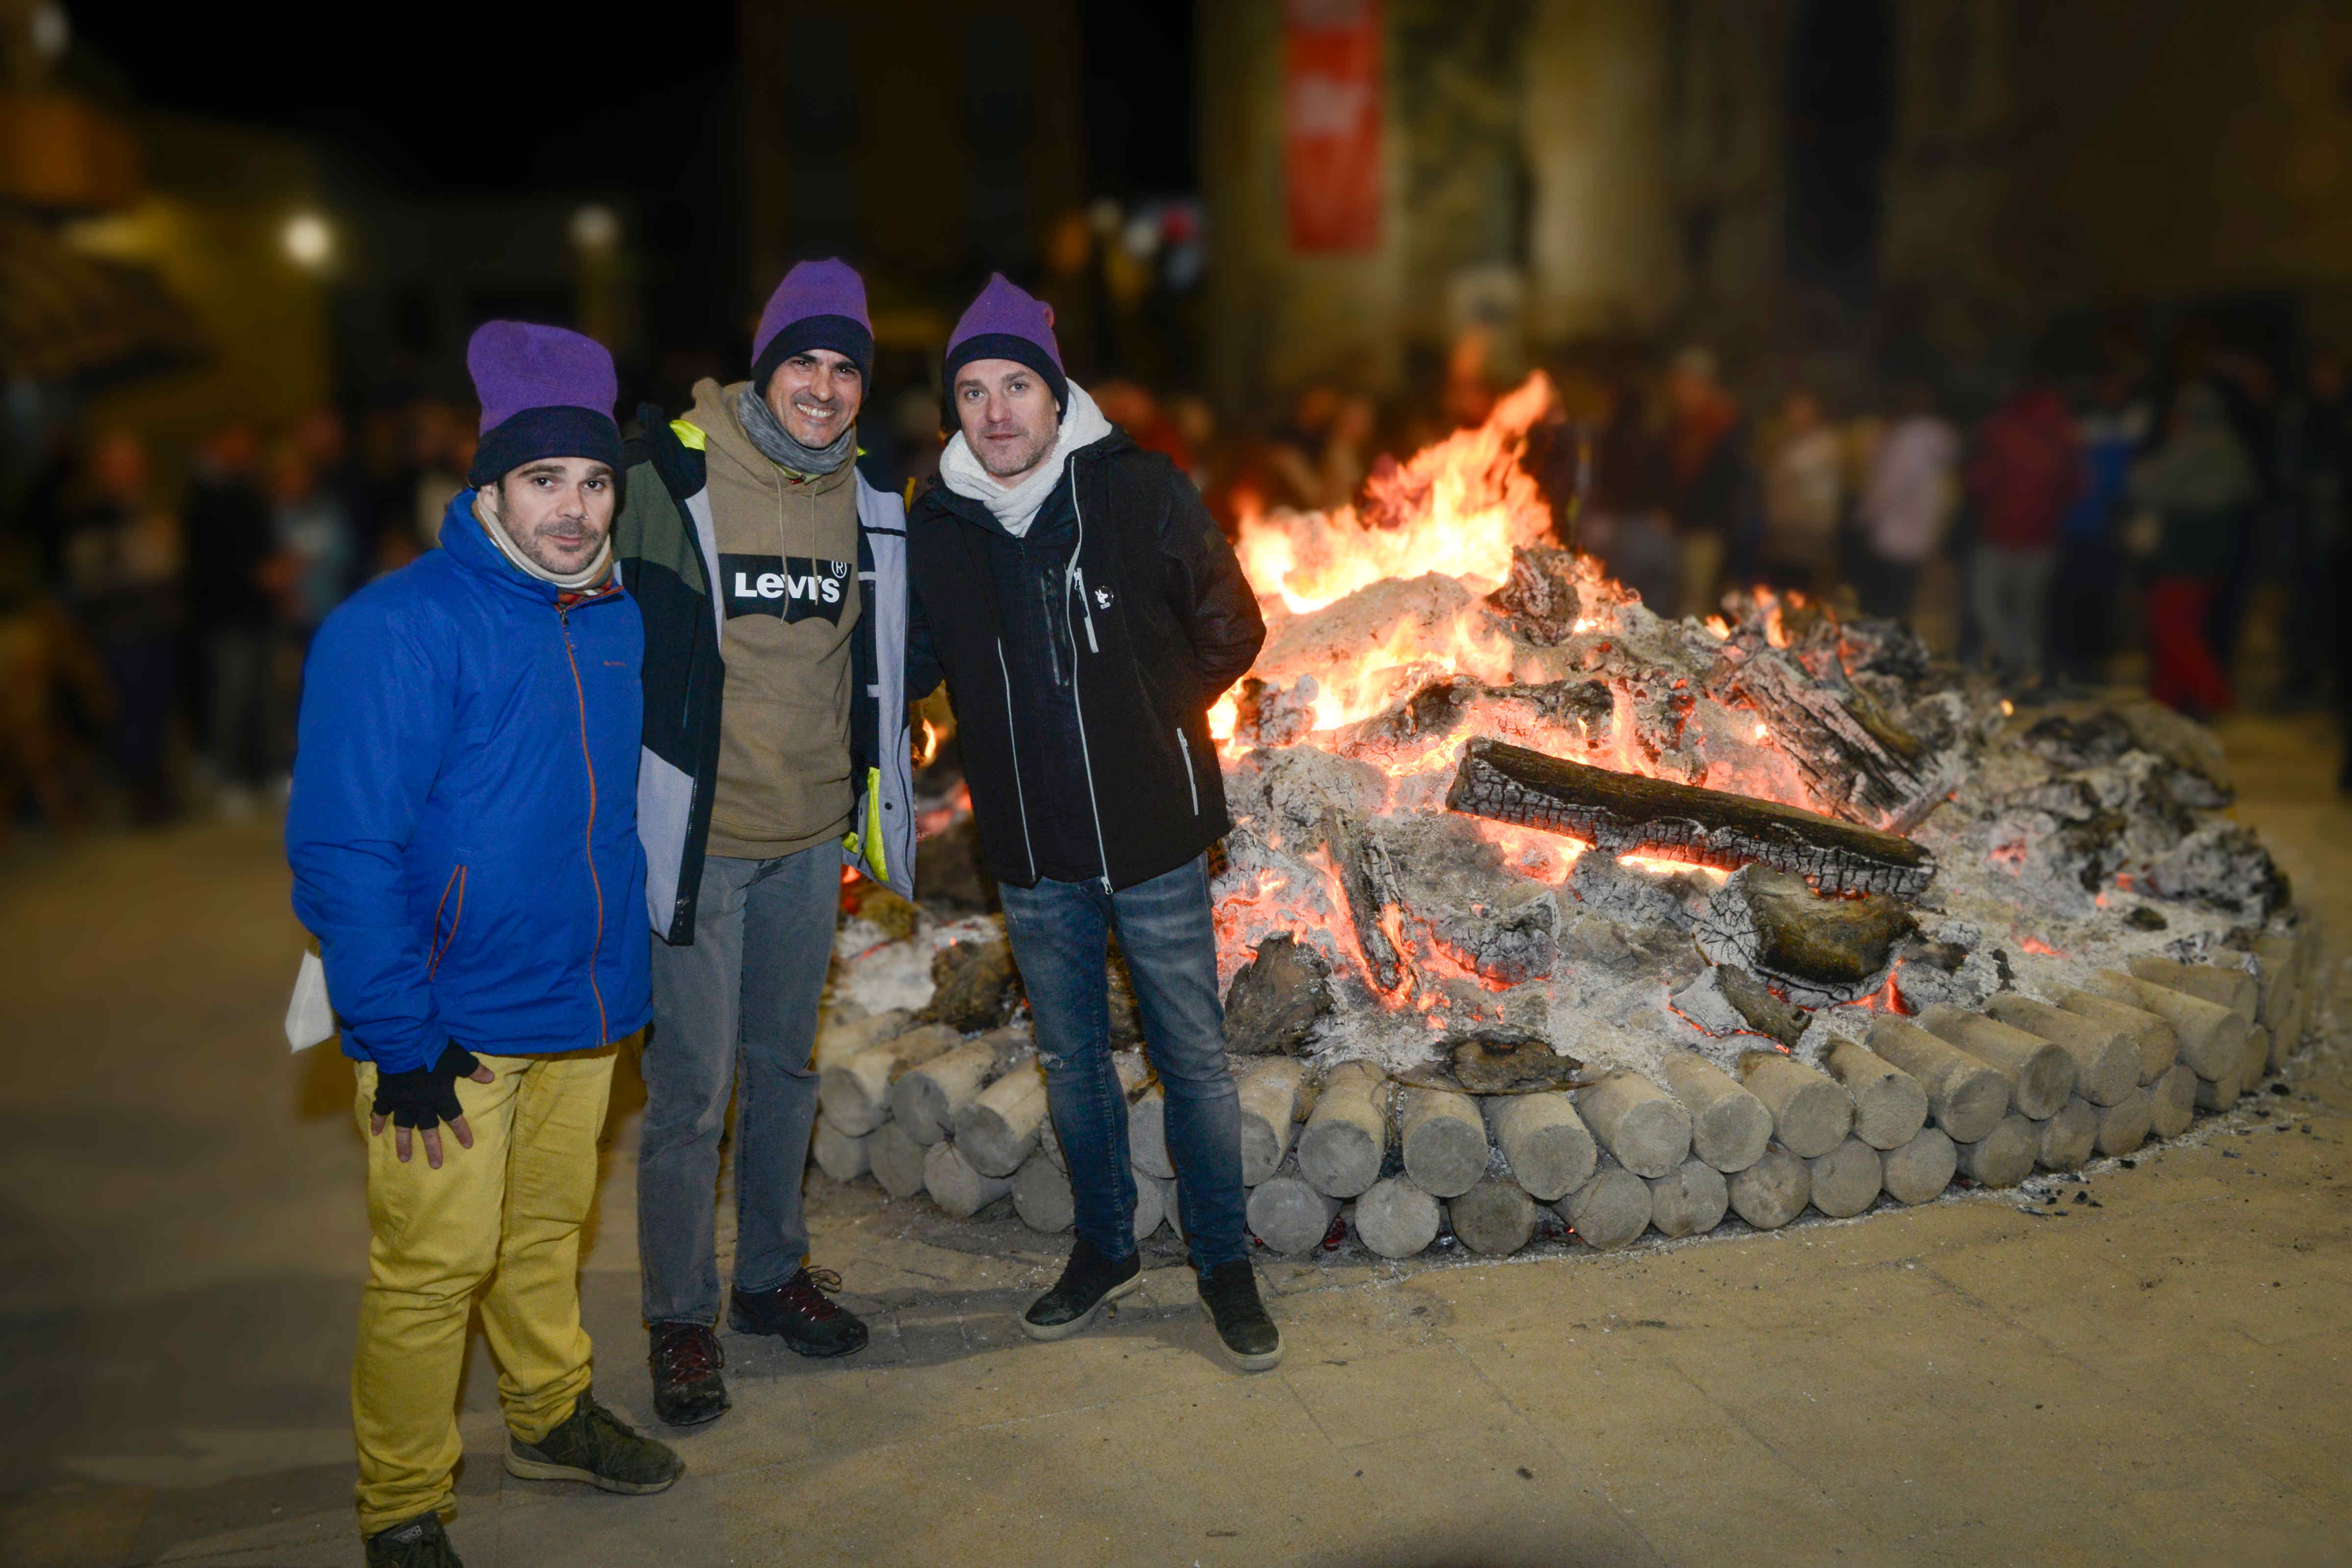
(559,431)
(845,335)
(1012,346)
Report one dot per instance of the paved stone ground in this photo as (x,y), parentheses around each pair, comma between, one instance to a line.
(2162,1375)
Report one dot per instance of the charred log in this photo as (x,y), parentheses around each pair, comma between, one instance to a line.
(1868,769)
(1819,950)
(1486,1063)
(974,985)
(1623,813)
(1276,998)
(1369,880)
(1540,597)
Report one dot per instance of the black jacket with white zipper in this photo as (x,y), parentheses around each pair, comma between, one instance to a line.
(1157,622)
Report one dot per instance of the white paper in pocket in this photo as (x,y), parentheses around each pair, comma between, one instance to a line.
(309,1018)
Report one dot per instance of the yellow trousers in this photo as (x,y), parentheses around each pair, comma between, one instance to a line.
(509,1211)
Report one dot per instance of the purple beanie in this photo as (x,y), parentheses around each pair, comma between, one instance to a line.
(819,305)
(546,392)
(1008,322)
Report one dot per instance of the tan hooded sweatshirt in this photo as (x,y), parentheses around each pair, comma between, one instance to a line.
(788,589)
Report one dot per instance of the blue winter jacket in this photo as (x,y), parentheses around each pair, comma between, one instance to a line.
(463,828)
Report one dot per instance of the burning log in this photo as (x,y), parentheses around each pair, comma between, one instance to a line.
(1276,997)
(1810,1113)
(1041,1196)
(1396,1218)
(1289,1216)
(1820,949)
(2158,1042)
(2040,1075)
(1965,1097)
(1268,1091)
(1919,1170)
(1638,1122)
(1545,1142)
(1889,1106)
(2002,1157)
(1847,1179)
(1850,752)
(2212,1037)
(1624,814)
(1773,1191)
(1688,1200)
(1608,1210)
(1494,1218)
(2065,1142)
(1729,1126)
(1370,882)
(1444,1142)
(1339,1150)
(2106,1060)
(1727,1000)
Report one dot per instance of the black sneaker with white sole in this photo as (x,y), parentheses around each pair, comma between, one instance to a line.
(1245,1333)
(1088,1281)
(598,1447)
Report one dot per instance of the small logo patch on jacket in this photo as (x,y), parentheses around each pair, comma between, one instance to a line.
(794,587)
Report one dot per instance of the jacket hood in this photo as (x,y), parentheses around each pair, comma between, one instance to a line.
(725,441)
(976,512)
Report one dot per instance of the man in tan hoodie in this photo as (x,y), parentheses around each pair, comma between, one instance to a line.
(747,527)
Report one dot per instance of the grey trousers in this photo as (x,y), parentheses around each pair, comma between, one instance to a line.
(734,1014)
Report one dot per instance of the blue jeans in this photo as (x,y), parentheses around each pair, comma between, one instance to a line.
(1060,933)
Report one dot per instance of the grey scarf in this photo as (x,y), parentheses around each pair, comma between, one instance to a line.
(776,442)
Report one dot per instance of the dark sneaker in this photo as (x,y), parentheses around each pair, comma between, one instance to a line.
(596,1447)
(1251,1340)
(688,1389)
(1088,1281)
(419,1543)
(801,1313)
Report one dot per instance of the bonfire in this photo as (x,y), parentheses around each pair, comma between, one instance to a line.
(1518,862)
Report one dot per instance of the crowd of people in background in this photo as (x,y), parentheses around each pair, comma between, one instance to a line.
(2080,519)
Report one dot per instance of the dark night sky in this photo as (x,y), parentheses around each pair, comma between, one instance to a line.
(443,97)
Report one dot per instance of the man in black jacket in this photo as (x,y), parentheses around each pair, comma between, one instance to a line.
(1084,610)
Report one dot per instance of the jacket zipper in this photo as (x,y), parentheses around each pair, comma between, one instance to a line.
(1020,798)
(1191,783)
(588,834)
(1086,754)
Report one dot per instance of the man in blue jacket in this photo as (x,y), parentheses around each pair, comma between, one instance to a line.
(463,834)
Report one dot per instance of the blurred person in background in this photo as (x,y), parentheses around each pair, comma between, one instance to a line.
(1130,406)
(2315,477)
(1293,456)
(43,655)
(463,838)
(1082,608)
(2089,571)
(324,438)
(775,751)
(2201,487)
(1804,482)
(1708,486)
(1348,452)
(124,565)
(439,455)
(310,574)
(1196,427)
(1907,501)
(2025,472)
(230,610)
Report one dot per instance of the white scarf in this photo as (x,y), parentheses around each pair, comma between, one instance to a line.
(1016,507)
(589,575)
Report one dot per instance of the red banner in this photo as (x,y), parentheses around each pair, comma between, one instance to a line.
(1331,124)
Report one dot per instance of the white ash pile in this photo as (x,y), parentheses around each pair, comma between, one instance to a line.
(1542,910)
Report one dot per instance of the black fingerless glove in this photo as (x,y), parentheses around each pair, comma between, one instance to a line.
(425,1096)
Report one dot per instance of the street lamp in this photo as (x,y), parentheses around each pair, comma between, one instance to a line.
(310,243)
